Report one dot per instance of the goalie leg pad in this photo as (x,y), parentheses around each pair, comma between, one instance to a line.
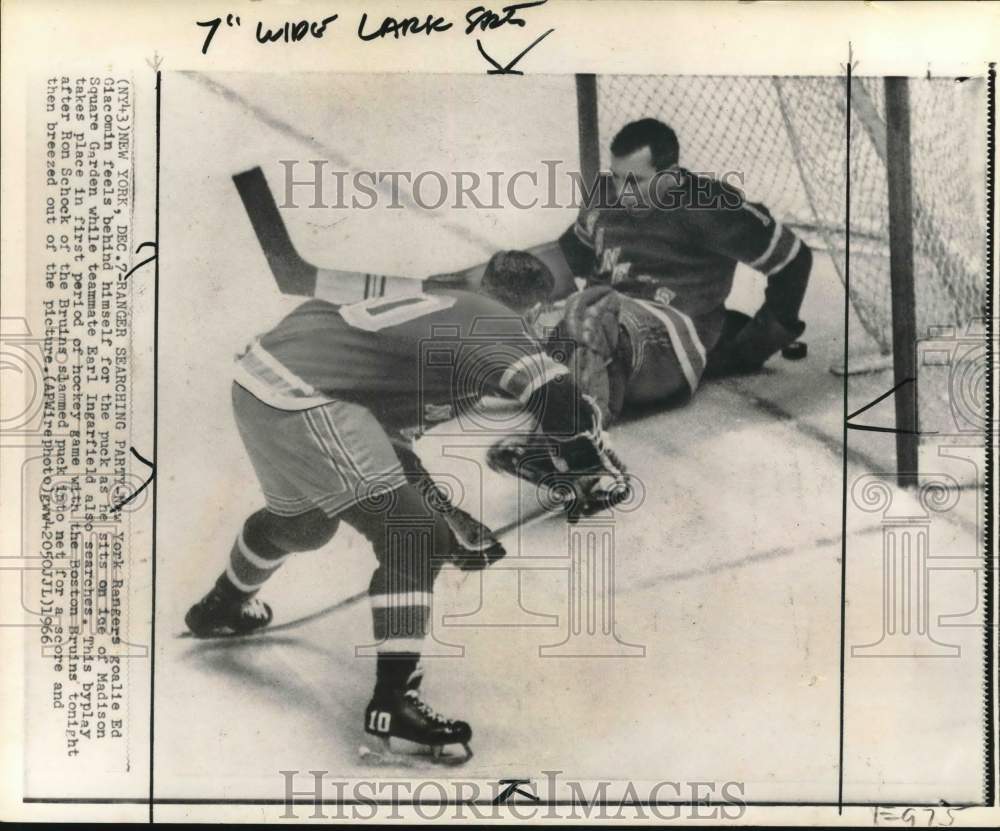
(581,476)
(527,457)
(592,321)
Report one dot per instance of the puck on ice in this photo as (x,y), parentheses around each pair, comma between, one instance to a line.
(795,351)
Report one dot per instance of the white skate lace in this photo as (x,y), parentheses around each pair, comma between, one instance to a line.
(254,608)
(426,710)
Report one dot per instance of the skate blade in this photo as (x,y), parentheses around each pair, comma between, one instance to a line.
(228,635)
(385,756)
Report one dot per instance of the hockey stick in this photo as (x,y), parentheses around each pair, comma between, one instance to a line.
(298,276)
(532,518)
(293,274)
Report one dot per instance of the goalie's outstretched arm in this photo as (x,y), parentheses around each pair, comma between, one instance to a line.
(752,236)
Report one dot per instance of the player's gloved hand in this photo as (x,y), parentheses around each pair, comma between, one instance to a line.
(476,547)
(746,349)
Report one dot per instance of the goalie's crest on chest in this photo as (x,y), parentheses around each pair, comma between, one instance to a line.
(614,270)
(610,265)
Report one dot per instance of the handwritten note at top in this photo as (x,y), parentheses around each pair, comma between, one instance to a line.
(477,20)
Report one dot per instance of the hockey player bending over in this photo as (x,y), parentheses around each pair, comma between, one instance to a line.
(659,259)
(320,401)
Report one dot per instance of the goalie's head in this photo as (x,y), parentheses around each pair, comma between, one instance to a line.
(644,161)
(518,279)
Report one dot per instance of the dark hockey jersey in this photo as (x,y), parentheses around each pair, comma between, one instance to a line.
(410,360)
(682,254)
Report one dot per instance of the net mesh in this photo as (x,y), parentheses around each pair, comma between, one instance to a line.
(785,138)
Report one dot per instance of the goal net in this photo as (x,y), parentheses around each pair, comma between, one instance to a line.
(786,138)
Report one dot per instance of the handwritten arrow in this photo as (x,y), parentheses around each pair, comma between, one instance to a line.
(148,260)
(509,68)
(144,485)
(874,429)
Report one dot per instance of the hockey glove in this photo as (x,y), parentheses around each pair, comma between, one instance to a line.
(747,348)
(476,547)
(473,545)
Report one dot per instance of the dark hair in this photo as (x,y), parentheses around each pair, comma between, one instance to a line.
(518,279)
(648,132)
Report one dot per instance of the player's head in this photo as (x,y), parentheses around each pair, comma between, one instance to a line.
(643,155)
(518,279)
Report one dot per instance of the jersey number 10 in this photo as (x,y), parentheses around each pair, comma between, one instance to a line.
(379,313)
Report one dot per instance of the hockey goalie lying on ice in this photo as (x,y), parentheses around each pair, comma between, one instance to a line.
(657,256)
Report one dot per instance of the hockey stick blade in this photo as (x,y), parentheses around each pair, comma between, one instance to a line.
(293,274)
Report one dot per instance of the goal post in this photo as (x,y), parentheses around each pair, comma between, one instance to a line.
(901,277)
(590,149)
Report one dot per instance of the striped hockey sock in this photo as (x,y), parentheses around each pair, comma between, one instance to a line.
(249,568)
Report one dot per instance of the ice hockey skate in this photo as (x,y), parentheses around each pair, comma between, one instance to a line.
(404,716)
(216,616)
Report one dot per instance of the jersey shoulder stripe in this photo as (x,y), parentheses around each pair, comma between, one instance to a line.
(270,381)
